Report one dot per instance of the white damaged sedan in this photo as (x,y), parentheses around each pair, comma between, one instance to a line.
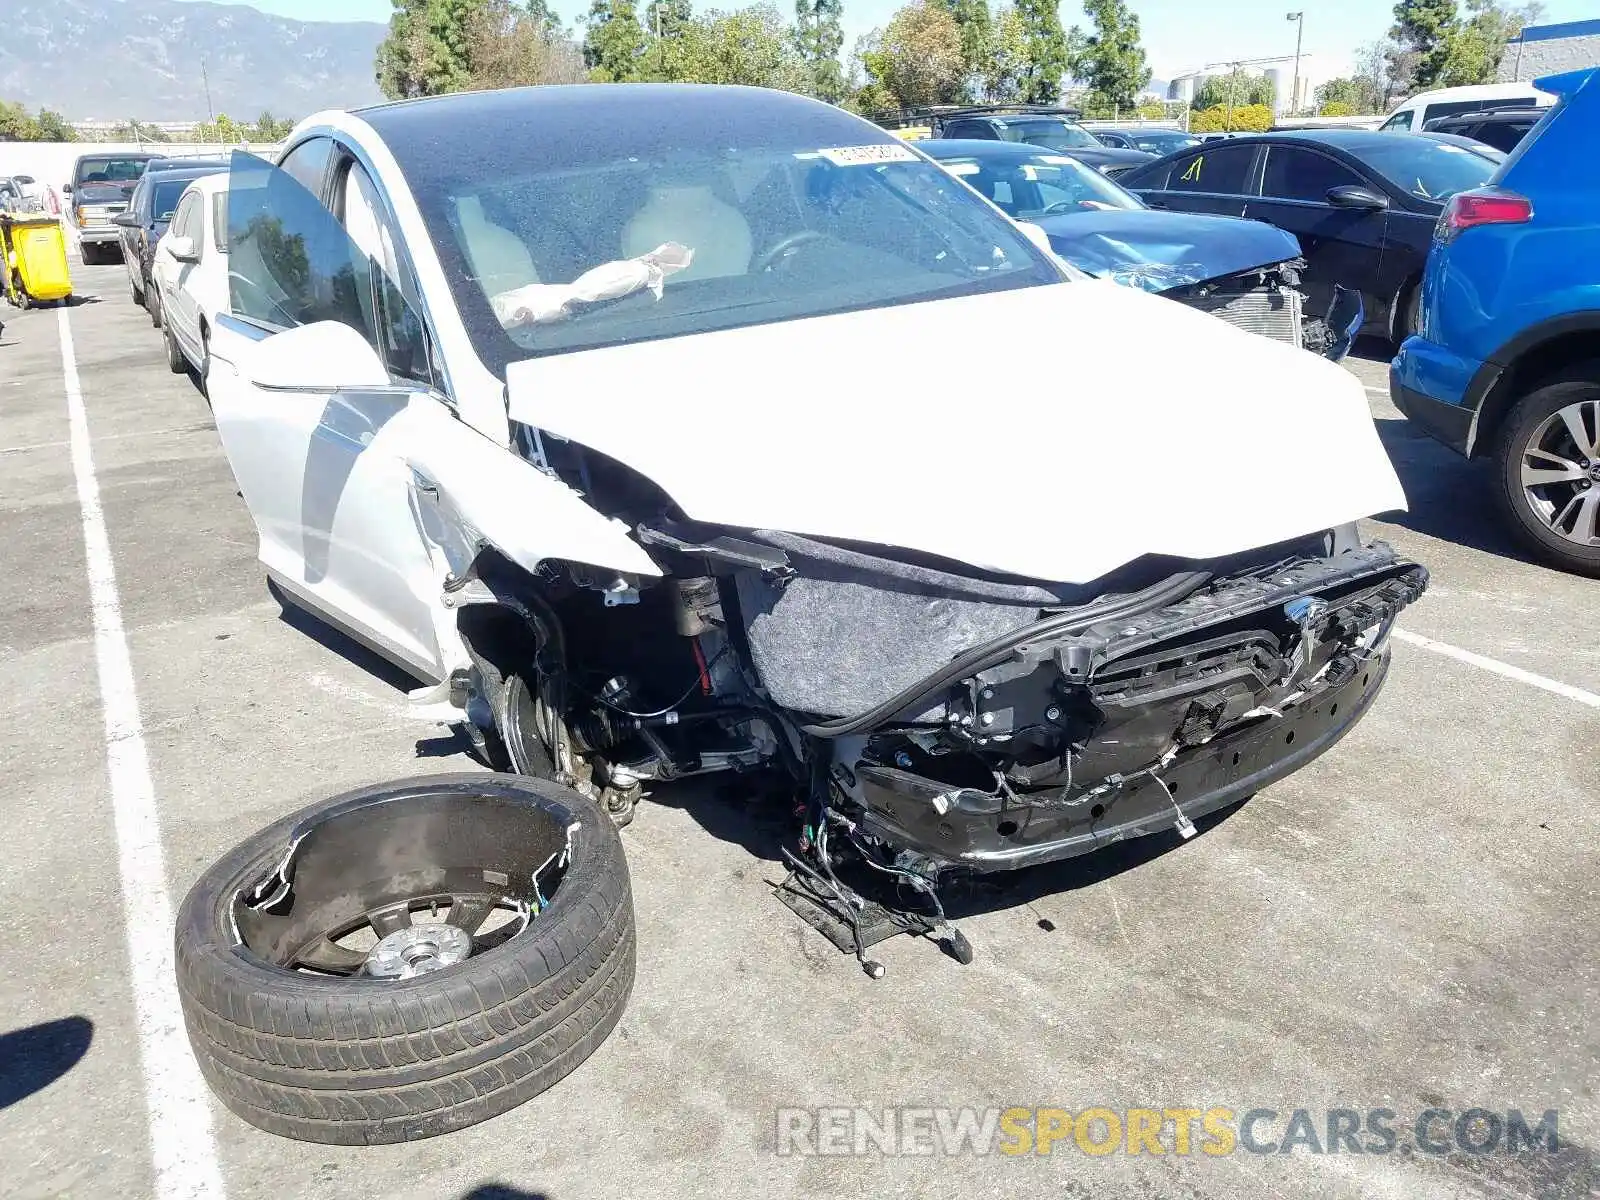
(667,430)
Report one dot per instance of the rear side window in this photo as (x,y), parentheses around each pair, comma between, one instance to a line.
(971,129)
(1224,170)
(1502,135)
(1400,120)
(1153,180)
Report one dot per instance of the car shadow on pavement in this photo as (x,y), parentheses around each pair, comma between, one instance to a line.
(500,1191)
(758,819)
(35,1056)
(340,643)
(1450,498)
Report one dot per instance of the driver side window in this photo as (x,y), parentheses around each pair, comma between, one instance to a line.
(389,307)
(293,263)
(1401,120)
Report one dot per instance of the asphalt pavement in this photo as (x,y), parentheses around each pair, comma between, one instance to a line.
(1407,924)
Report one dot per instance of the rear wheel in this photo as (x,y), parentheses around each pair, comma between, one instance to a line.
(1549,467)
(407,959)
(1409,318)
(175,360)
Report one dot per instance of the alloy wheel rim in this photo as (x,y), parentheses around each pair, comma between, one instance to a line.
(1560,473)
(415,884)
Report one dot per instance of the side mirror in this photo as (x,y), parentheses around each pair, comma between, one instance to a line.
(183,249)
(326,356)
(1352,195)
(66,189)
(127,220)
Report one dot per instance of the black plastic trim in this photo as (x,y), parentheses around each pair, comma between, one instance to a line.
(1452,424)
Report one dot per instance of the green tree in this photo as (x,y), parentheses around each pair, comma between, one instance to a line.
(1424,28)
(914,60)
(820,37)
(1238,88)
(751,46)
(1477,44)
(976,25)
(1250,118)
(16,125)
(1376,67)
(53,127)
(1005,62)
(1046,49)
(1110,60)
(224,130)
(1347,94)
(514,45)
(269,128)
(544,20)
(614,44)
(427,48)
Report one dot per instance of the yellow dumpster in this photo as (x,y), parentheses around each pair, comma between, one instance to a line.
(33,258)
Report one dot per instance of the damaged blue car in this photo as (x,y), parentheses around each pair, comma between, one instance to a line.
(1247,272)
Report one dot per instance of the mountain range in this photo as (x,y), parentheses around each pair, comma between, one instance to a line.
(121,59)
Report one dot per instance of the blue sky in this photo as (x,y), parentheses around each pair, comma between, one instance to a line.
(1178,34)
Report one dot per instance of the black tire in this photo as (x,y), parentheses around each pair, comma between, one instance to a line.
(176,362)
(1579,383)
(153,304)
(1408,316)
(353,1061)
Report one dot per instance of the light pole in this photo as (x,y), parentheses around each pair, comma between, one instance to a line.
(1299,19)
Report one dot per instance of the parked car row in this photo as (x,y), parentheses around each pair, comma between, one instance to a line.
(173,237)
(1246,272)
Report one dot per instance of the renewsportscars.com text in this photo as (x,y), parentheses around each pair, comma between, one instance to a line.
(1214,1131)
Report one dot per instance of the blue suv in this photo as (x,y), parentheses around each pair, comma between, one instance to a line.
(1507,361)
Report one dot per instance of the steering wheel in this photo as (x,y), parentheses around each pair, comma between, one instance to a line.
(769,258)
(1060,206)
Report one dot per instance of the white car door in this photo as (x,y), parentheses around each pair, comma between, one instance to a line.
(326,470)
(187,224)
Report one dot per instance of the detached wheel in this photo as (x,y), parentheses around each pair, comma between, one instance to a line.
(1549,460)
(407,959)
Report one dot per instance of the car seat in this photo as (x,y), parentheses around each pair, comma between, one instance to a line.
(498,258)
(690,214)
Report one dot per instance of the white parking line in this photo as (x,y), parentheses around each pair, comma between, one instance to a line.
(1496,667)
(183,1150)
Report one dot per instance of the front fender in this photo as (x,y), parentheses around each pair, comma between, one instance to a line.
(471,494)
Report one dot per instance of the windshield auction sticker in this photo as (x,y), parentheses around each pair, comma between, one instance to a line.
(867,156)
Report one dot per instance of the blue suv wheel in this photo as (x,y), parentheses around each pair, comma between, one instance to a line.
(1549,469)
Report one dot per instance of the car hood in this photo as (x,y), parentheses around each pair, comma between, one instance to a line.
(1159,251)
(1051,465)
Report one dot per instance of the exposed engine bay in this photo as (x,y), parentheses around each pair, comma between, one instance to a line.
(921,717)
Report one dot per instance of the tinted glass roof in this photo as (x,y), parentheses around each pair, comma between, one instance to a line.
(576,123)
